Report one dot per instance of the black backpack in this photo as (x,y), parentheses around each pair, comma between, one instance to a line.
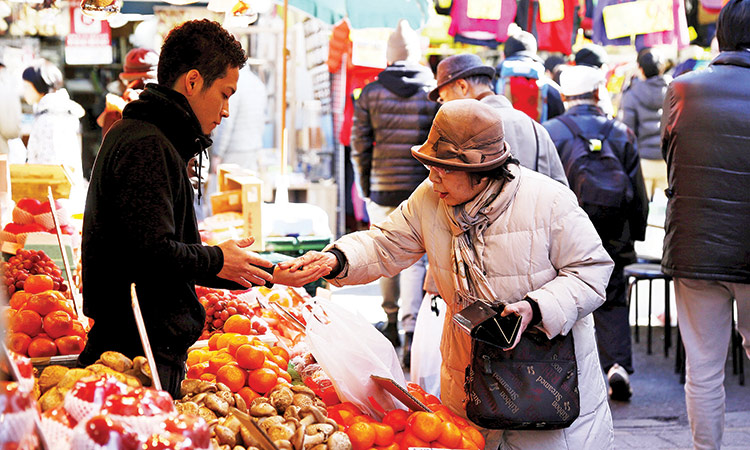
(595,173)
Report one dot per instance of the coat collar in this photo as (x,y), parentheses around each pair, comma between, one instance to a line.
(739,58)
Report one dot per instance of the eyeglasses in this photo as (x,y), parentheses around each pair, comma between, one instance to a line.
(439,170)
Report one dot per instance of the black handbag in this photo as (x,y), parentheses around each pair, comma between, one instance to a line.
(532,387)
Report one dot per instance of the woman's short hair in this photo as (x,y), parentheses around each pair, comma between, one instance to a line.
(44,76)
(651,61)
(733,26)
(202,45)
(501,172)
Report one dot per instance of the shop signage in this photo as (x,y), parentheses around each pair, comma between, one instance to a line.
(89,41)
(639,17)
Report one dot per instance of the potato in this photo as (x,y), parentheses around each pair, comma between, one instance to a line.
(51,375)
(51,399)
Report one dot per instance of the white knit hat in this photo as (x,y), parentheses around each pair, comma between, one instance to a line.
(578,80)
(403,44)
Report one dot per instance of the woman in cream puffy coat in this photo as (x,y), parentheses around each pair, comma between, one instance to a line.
(538,244)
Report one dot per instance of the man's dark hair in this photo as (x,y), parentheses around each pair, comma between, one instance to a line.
(44,76)
(482,80)
(202,45)
(733,26)
(651,62)
(498,173)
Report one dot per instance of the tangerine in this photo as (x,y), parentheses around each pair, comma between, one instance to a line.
(232,376)
(362,435)
(26,321)
(450,435)
(35,284)
(248,395)
(261,380)
(19,343)
(285,376)
(426,426)
(196,356)
(411,440)
(43,303)
(69,345)
(396,418)
(393,446)
(236,343)
(280,351)
(58,324)
(238,324)
(383,434)
(212,341)
(281,362)
(42,347)
(19,299)
(224,338)
(218,360)
(195,371)
(208,377)
(468,444)
(250,357)
(473,435)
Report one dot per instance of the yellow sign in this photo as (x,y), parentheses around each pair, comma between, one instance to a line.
(369,46)
(639,17)
(551,10)
(483,9)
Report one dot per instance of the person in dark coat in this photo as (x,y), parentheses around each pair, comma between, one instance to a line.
(618,227)
(139,224)
(390,116)
(705,136)
(641,111)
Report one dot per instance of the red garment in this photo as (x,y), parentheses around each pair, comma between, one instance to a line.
(356,77)
(557,36)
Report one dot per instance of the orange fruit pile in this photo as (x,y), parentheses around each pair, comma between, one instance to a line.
(43,324)
(400,429)
(245,364)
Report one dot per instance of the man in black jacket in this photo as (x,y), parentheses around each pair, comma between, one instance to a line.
(616,203)
(705,136)
(390,116)
(139,222)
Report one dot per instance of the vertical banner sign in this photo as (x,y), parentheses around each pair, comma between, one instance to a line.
(551,10)
(484,9)
(89,41)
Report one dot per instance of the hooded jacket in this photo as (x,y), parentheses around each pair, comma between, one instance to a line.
(540,245)
(139,227)
(391,115)
(641,111)
(705,136)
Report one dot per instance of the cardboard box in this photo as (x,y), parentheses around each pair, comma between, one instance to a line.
(241,193)
(31,181)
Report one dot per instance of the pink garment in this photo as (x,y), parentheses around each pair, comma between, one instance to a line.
(462,24)
(679,35)
(557,36)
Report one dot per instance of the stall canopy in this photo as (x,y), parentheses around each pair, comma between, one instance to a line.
(367,13)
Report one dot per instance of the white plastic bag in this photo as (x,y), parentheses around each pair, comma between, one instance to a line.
(425,346)
(350,349)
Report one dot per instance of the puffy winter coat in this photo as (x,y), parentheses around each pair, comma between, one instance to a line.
(529,142)
(641,111)
(390,116)
(542,246)
(706,142)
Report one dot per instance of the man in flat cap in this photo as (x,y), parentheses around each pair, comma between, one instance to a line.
(465,76)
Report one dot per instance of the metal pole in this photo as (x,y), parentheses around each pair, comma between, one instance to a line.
(284,55)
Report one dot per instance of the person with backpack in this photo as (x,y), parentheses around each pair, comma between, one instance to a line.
(523,80)
(601,162)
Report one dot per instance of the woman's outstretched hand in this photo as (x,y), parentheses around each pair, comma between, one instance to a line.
(305,269)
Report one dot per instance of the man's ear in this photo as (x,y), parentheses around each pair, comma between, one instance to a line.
(193,82)
(463,85)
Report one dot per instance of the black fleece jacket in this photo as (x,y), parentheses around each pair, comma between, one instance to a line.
(139,227)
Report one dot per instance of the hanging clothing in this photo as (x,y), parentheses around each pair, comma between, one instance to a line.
(482,20)
(678,35)
(556,36)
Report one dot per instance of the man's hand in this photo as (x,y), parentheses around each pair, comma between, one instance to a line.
(524,310)
(239,264)
(310,259)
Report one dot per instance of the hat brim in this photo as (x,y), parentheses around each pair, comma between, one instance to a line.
(478,70)
(455,165)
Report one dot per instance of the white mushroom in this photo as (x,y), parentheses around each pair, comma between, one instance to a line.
(339,441)
(262,409)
